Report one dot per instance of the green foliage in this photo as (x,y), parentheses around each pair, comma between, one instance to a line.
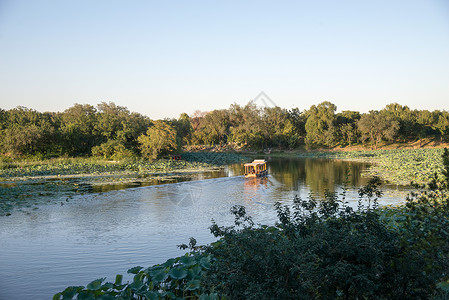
(347,124)
(214,158)
(327,250)
(160,139)
(398,166)
(320,125)
(183,128)
(81,127)
(113,150)
(27,132)
(177,278)
(378,126)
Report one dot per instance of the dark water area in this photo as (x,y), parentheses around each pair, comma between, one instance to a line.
(109,229)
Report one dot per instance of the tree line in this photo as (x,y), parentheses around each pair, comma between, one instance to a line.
(113,132)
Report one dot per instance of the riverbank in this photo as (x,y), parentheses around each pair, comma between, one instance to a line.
(26,184)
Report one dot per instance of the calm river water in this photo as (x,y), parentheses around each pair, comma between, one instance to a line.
(99,235)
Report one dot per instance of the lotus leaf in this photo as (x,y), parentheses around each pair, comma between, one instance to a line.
(96,284)
(177,273)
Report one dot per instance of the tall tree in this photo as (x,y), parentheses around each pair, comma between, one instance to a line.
(78,129)
(26,131)
(443,125)
(347,126)
(160,139)
(246,125)
(406,120)
(377,126)
(183,128)
(110,118)
(320,125)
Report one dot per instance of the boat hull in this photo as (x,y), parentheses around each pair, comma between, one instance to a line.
(260,174)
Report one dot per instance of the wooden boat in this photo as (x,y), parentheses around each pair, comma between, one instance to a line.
(257,168)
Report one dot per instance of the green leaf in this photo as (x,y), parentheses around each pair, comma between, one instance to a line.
(134,270)
(193,285)
(196,270)
(107,286)
(71,291)
(158,275)
(177,273)
(96,284)
(187,261)
(152,295)
(170,262)
(190,275)
(205,262)
(118,279)
(57,296)
(136,285)
(85,295)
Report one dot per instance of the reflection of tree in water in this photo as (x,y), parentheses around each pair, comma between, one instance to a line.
(319,175)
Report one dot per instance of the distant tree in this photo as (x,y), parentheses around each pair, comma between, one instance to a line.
(298,120)
(214,128)
(246,125)
(112,149)
(426,123)
(377,126)
(132,126)
(110,118)
(78,129)
(320,125)
(280,127)
(3,117)
(160,139)
(408,126)
(196,119)
(347,125)
(443,125)
(183,128)
(26,131)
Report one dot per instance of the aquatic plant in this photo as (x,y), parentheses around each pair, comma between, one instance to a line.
(177,278)
(401,166)
(214,158)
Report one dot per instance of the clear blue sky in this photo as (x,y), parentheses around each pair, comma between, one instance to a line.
(162,58)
